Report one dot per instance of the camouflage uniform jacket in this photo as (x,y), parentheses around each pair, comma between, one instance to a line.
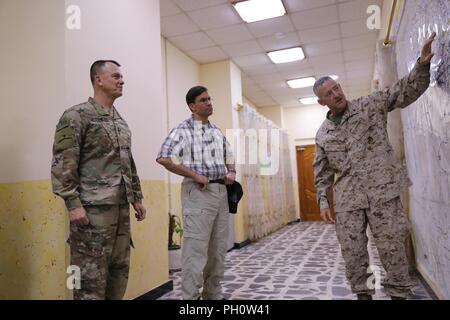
(92,162)
(355,156)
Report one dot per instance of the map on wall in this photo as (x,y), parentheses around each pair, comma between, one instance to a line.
(426,127)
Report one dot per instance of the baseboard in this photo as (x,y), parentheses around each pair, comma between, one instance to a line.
(428,283)
(294,221)
(157,292)
(241,244)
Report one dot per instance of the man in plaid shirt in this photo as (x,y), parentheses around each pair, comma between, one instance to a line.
(197,150)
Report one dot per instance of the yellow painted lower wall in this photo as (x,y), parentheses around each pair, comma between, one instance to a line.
(32,247)
(34,256)
(149,266)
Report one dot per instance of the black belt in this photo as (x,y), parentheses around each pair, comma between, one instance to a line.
(221,181)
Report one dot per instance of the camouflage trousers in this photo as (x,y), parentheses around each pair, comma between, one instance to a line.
(390,228)
(205,220)
(102,251)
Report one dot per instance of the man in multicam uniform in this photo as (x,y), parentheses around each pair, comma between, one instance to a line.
(197,150)
(94,172)
(354,156)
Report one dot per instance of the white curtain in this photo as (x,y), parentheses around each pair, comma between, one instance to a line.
(270,197)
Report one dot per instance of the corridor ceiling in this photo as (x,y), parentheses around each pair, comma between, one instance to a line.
(332,33)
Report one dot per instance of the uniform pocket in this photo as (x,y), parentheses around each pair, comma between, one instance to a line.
(359,129)
(193,224)
(336,154)
(124,134)
(87,239)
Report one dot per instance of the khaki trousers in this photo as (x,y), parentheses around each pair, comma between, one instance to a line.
(205,221)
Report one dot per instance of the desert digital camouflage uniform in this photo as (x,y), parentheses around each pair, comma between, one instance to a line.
(93,167)
(354,156)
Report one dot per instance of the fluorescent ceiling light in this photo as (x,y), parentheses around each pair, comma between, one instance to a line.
(301,82)
(286,55)
(310,100)
(255,10)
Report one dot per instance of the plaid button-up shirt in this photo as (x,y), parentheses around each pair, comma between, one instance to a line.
(202,148)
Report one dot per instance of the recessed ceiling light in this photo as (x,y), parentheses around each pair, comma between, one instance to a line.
(334,77)
(301,82)
(286,55)
(310,100)
(256,10)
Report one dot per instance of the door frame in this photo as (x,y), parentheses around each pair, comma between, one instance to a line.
(300,177)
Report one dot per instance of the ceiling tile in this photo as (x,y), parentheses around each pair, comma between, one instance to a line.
(294,74)
(271,26)
(360,42)
(350,55)
(250,89)
(268,102)
(321,34)
(215,17)
(315,18)
(331,70)
(322,48)
(293,66)
(192,41)
(177,25)
(167,8)
(207,55)
(355,28)
(296,5)
(259,95)
(251,60)
(211,30)
(357,9)
(279,41)
(260,70)
(267,78)
(288,102)
(242,48)
(189,5)
(359,64)
(334,59)
(231,34)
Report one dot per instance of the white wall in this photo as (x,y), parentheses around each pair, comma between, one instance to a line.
(180,73)
(275,114)
(302,124)
(31,86)
(130,35)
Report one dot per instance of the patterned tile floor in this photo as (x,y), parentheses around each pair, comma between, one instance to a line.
(301,261)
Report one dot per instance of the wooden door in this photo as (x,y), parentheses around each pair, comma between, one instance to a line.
(309,209)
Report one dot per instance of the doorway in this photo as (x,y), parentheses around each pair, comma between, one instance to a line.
(309,208)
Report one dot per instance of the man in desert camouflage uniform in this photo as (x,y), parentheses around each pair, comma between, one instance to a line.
(94,172)
(354,156)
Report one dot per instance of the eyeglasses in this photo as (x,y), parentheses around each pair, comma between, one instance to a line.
(204,100)
(335,88)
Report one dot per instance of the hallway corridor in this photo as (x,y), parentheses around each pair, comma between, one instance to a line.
(301,261)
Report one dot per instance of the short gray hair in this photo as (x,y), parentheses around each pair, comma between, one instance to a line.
(320,82)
